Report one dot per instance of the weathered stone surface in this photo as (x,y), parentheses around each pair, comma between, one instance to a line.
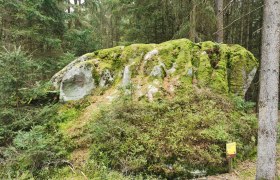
(106,78)
(222,68)
(57,78)
(159,71)
(250,78)
(151,54)
(151,91)
(126,77)
(172,69)
(76,83)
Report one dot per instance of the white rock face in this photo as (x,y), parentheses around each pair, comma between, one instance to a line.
(126,76)
(172,69)
(57,78)
(190,72)
(76,83)
(250,78)
(151,91)
(151,54)
(159,71)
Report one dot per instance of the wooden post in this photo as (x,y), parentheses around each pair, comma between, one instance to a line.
(230,167)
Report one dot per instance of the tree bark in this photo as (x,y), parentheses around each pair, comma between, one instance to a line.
(268,97)
(220,20)
(192,33)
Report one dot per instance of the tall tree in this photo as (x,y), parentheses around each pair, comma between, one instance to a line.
(268,97)
(220,20)
(192,33)
(35,25)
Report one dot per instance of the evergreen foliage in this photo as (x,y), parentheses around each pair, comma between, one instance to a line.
(15,67)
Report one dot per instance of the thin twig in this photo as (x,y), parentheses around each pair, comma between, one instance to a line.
(70,165)
(225,7)
(239,19)
(257,30)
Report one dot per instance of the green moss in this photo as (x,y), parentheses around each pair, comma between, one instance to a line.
(171,138)
(241,63)
(68,113)
(108,54)
(175,51)
(204,70)
(220,67)
(136,50)
(220,74)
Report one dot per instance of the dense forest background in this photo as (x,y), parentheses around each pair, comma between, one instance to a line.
(49,28)
(50,33)
(39,37)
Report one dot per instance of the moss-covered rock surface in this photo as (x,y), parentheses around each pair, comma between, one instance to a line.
(223,68)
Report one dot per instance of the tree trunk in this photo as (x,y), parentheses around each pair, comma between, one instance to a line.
(192,33)
(248,34)
(220,20)
(268,98)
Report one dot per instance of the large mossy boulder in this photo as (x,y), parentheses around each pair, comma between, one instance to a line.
(224,69)
(176,106)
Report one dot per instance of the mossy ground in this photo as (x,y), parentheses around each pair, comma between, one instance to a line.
(166,138)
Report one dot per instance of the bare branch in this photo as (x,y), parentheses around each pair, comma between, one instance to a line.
(239,19)
(225,8)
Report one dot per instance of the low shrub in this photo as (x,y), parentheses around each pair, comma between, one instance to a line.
(33,151)
(171,138)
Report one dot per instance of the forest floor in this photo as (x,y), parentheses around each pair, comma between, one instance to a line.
(244,171)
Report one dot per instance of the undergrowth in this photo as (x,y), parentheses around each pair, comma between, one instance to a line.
(164,139)
(172,138)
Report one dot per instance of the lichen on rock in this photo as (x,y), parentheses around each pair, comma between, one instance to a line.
(106,78)
(224,69)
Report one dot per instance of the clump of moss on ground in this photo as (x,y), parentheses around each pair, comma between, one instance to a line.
(172,138)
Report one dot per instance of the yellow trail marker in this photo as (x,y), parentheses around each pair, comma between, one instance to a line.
(231,149)
(231,153)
